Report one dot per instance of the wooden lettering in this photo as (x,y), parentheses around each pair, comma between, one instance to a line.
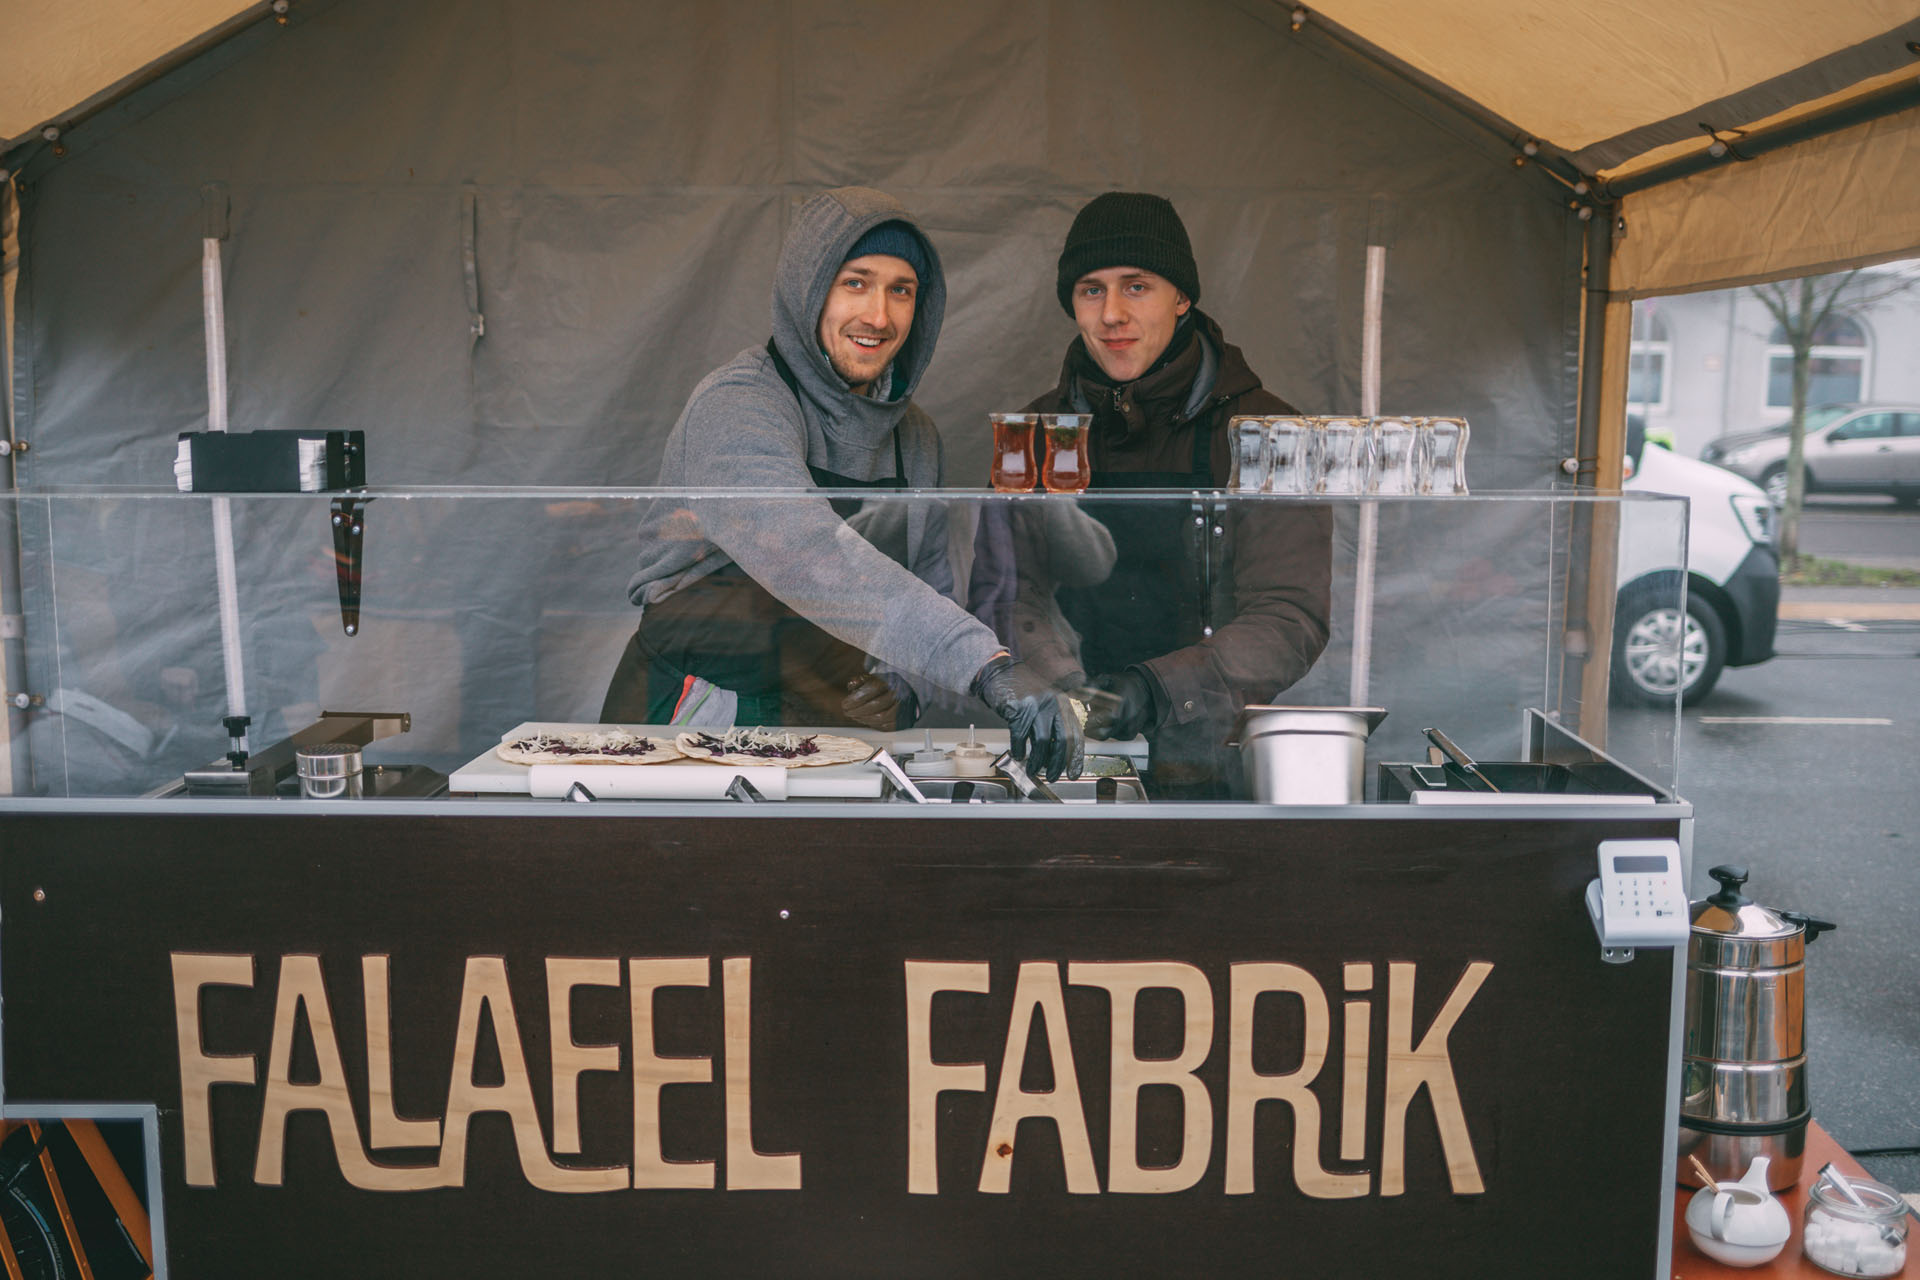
(1356,1024)
(1247,1088)
(571,1059)
(747,1169)
(1410,1068)
(652,1073)
(1038,989)
(1125,982)
(927,1079)
(485,986)
(384,1127)
(200,1070)
(301,985)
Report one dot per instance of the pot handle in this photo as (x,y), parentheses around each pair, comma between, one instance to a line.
(1721,1214)
(1814,927)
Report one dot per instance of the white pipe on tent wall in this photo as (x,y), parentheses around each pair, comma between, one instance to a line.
(1369,535)
(214,311)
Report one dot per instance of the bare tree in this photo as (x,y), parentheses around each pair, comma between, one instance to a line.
(1801,307)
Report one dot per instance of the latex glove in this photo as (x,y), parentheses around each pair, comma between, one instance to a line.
(1041,728)
(872,702)
(1128,714)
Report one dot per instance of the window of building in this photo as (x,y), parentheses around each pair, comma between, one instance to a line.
(1651,356)
(1836,369)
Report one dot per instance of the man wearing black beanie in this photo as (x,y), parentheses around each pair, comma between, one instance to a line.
(1196,621)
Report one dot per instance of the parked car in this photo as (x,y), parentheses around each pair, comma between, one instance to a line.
(1850,448)
(1732,577)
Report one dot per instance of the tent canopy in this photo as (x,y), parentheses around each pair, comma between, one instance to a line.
(1613,86)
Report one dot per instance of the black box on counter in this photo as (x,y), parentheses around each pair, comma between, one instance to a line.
(270,461)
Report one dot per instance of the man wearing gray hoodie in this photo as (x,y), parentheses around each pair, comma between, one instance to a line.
(789,608)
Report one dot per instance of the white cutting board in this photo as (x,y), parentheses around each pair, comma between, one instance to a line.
(489,774)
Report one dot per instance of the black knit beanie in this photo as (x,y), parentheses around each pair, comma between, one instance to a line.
(1128,229)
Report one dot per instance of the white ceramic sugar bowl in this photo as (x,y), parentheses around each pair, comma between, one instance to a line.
(1739,1223)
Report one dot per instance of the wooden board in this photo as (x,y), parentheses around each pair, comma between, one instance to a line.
(853,1047)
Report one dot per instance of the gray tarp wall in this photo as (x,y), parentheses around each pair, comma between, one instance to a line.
(619,176)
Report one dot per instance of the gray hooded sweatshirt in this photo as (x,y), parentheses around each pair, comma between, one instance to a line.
(743,428)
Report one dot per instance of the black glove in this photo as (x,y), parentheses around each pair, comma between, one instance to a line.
(1041,727)
(872,702)
(1129,713)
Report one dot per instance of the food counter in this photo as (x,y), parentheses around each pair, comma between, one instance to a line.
(831,1034)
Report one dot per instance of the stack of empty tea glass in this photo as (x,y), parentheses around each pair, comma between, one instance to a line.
(1335,455)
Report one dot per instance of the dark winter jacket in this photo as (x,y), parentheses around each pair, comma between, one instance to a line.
(1271,595)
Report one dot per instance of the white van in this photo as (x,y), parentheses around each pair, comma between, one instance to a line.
(1733,582)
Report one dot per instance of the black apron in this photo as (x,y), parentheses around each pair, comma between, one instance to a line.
(1157,599)
(733,633)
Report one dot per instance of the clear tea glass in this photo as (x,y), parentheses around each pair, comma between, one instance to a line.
(1014,470)
(1346,455)
(1250,458)
(1396,453)
(1443,456)
(1292,455)
(1067,468)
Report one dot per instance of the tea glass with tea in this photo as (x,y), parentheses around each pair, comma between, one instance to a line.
(1292,454)
(1014,468)
(1067,468)
(1346,455)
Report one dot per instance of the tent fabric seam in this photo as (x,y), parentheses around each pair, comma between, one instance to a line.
(1737,110)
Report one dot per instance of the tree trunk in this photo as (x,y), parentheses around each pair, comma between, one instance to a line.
(1802,338)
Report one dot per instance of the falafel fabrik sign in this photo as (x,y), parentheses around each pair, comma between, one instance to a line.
(302,1001)
(749,1046)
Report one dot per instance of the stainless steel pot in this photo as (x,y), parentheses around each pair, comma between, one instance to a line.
(1744,1064)
(329,770)
(1305,755)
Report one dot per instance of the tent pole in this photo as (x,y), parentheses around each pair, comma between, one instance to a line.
(1867,107)
(1360,680)
(1585,654)
(214,312)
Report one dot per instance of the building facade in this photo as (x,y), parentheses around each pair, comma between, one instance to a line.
(1706,364)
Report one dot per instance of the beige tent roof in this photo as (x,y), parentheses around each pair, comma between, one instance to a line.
(1610,85)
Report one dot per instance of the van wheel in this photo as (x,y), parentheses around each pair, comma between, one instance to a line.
(1657,650)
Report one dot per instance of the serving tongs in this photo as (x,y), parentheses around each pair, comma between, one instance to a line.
(898,776)
(1459,757)
(1029,787)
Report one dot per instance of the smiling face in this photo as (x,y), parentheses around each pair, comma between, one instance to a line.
(867,316)
(1127,316)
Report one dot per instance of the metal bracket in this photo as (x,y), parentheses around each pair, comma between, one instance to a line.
(1617,955)
(742,790)
(349,539)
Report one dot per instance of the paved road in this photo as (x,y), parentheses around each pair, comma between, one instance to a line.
(1863,530)
(1827,818)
